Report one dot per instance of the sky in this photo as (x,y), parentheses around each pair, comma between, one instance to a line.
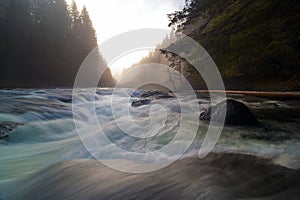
(113,17)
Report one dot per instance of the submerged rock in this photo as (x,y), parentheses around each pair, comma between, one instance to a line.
(148,96)
(237,114)
(3,135)
(6,127)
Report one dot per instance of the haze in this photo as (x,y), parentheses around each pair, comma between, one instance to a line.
(113,17)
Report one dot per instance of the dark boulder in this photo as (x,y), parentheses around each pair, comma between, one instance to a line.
(156,95)
(146,97)
(140,102)
(237,114)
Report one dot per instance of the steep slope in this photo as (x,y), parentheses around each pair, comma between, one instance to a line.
(254,43)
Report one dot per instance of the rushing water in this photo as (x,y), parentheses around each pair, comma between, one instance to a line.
(44,158)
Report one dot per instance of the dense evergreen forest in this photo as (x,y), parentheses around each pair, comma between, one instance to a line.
(43,43)
(255,43)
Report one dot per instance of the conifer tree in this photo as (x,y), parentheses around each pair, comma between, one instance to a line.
(88,33)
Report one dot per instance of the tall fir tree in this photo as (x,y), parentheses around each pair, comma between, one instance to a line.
(75,17)
(88,33)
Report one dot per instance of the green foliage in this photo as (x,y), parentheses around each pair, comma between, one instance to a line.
(246,38)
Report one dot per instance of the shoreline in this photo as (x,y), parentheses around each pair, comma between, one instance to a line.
(268,94)
(277,94)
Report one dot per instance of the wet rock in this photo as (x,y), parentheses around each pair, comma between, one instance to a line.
(156,95)
(237,114)
(3,135)
(6,127)
(140,102)
(146,97)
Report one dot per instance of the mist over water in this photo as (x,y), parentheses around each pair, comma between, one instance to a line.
(44,158)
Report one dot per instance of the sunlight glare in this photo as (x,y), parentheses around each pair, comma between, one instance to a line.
(114,17)
(125,61)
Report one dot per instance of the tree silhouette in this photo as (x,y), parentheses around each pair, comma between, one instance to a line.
(43,43)
(87,31)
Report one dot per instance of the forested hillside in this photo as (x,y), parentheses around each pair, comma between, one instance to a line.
(255,43)
(43,43)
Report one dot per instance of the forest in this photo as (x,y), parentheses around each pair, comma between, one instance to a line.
(44,42)
(255,44)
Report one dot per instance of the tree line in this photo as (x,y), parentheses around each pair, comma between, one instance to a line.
(44,42)
(255,44)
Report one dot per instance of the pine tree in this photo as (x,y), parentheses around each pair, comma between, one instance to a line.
(43,43)
(88,33)
(75,17)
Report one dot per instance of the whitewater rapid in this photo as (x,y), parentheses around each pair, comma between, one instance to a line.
(44,148)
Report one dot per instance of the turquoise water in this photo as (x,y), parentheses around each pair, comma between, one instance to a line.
(45,132)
